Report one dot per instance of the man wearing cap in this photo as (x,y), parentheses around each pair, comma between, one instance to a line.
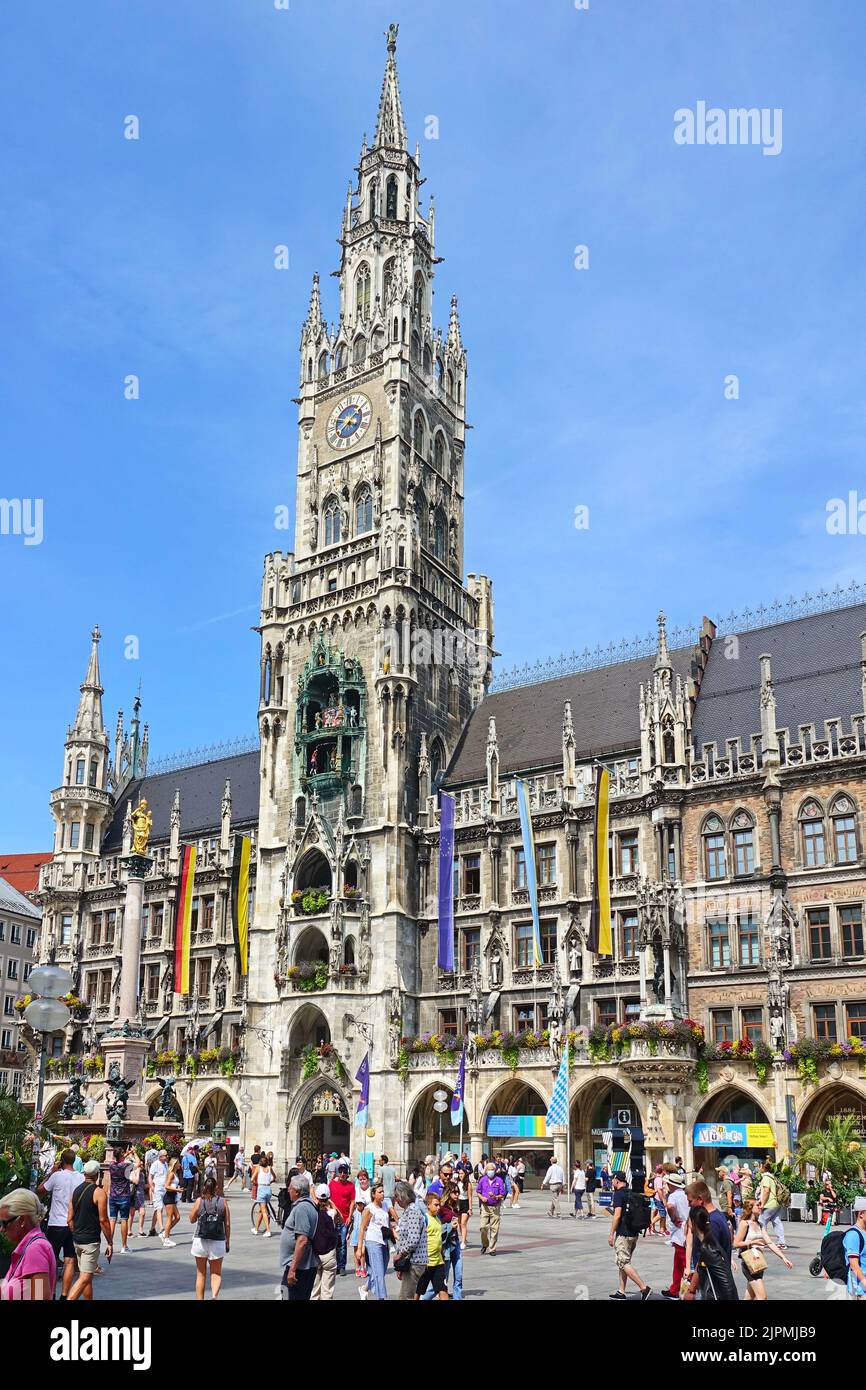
(331,1167)
(854,1245)
(342,1191)
(623,1238)
(677,1207)
(326,1274)
(87,1216)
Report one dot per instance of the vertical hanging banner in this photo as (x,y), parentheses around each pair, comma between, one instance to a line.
(362,1114)
(445,952)
(457,1095)
(557,1111)
(599,939)
(183,921)
(529,863)
(241,900)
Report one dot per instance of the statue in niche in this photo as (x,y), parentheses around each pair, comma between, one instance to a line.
(658,977)
(495,967)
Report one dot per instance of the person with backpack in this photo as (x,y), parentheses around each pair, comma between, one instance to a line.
(630,1218)
(772,1196)
(751,1240)
(212,1239)
(325,1246)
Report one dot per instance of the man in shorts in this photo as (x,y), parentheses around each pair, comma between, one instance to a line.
(434,1275)
(158,1176)
(623,1238)
(87,1217)
(120,1166)
(59,1186)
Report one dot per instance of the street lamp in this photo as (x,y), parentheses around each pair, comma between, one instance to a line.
(46,1013)
(440,1104)
(245,1105)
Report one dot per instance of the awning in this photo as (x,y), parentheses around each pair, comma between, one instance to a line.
(492,1001)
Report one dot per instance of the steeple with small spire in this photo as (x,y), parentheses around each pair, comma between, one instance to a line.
(665,720)
(81,805)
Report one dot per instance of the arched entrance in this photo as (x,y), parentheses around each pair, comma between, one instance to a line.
(218,1106)
(324,1125)
(427,1124)
(731,1128)
(597,1107)
(831,1100)
(314,871)
(514,1125)
(309,1027)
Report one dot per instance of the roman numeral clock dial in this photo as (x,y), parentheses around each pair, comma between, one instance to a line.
(349,421)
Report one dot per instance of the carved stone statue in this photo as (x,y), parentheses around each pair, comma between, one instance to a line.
(73,1105)
(574,956)
(555,1031)
(168,1108)
(473,1011)
(495,967)
(220,982)
(119,1089)
(395,1025)
(365,954)
(658,980)
(166,984)
(142,820)
(391,36)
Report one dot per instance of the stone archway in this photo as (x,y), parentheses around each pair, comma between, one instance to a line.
(598,1101)
(423,1125)
(311,947)
(322,1124)
(731,1126)
(836,1097)
(522,1098)
(216,1104)
(314,871)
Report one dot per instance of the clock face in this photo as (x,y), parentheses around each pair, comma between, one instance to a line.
(349,421)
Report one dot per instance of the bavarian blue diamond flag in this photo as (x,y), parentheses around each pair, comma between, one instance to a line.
(363,1075)
(557,1111)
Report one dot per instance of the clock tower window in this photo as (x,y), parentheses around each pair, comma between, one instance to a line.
(363,512)
(359,350)
(418,434)
(332,521)
(362,291)
(391,198)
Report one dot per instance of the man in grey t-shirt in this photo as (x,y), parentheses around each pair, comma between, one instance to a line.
(298,1259)
(387,1176)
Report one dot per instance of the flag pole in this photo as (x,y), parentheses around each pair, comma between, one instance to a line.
(568,1120)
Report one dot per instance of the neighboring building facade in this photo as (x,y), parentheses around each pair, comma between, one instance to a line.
(736,848)
(22,870)
(19,950)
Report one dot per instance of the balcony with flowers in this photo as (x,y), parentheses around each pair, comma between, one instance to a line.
(209,1061)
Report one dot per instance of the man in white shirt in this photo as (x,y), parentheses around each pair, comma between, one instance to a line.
(677,1207)
(157,1173)
(578,1187)
(59,1186)
(554,1179)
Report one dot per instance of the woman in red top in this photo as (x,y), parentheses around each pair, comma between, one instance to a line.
(32,1269)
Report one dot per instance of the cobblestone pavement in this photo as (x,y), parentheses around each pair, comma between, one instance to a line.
(538,1257)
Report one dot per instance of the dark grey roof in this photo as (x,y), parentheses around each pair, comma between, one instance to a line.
(13,901)
(604,710)
(201,793)
(816,676)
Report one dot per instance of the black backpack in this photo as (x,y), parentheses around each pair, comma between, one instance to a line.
(636,1215)
(325,1239)
(833,1256)
(211,1221)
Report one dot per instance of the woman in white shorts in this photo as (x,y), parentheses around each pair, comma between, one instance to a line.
(212,1239)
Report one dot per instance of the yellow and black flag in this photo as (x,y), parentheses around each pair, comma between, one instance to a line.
(241,900)
(599,941)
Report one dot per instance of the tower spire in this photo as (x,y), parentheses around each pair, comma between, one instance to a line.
(663,660)
(88,720)
(390,126)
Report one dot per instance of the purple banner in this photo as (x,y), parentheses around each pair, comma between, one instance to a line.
(445,958)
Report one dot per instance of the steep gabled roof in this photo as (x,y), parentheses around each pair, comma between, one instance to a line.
(201,791)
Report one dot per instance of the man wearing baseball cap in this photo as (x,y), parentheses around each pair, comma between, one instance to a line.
(677,1207)
(325,1246)
(88,1215)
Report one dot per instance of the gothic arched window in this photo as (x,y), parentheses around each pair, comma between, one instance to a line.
(844,816)
(79,772)
(715,860)
(362,291)
(359,349)
(416,349)
(340,360)
(332,521)
(428,362)
(94,770)
(418,296)
(743,840)
(439,453)
(812,838)
(439,535)
(451,383)
(324,366)
(440,371)
(363,511)
(371,200)
(418,434)
(391,197)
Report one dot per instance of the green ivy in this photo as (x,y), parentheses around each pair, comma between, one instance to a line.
(403,1065)
(703,1075)
(311,1062)
(511,1057)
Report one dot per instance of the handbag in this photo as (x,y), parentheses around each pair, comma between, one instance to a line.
(754,1260)
(402,1262)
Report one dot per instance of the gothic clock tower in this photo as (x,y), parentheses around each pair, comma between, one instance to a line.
(374,649)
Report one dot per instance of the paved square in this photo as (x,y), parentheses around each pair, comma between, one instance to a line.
(538,1257)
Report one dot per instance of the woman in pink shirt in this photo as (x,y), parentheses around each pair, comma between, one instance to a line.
(32,1271)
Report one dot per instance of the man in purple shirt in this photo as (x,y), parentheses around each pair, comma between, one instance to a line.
(491,1194)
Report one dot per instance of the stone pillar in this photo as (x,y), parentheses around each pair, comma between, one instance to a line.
(137,866)
(476,1146)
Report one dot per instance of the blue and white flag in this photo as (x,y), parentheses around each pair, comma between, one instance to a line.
(557,1111)
(363,1075)
(457,1096)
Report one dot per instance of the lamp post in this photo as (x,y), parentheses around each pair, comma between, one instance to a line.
(46,1013)
(219,1138)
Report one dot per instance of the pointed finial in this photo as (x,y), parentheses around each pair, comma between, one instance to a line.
(662,658)
(95,634)
(454,339)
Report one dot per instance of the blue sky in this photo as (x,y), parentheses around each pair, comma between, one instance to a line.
(602,387)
